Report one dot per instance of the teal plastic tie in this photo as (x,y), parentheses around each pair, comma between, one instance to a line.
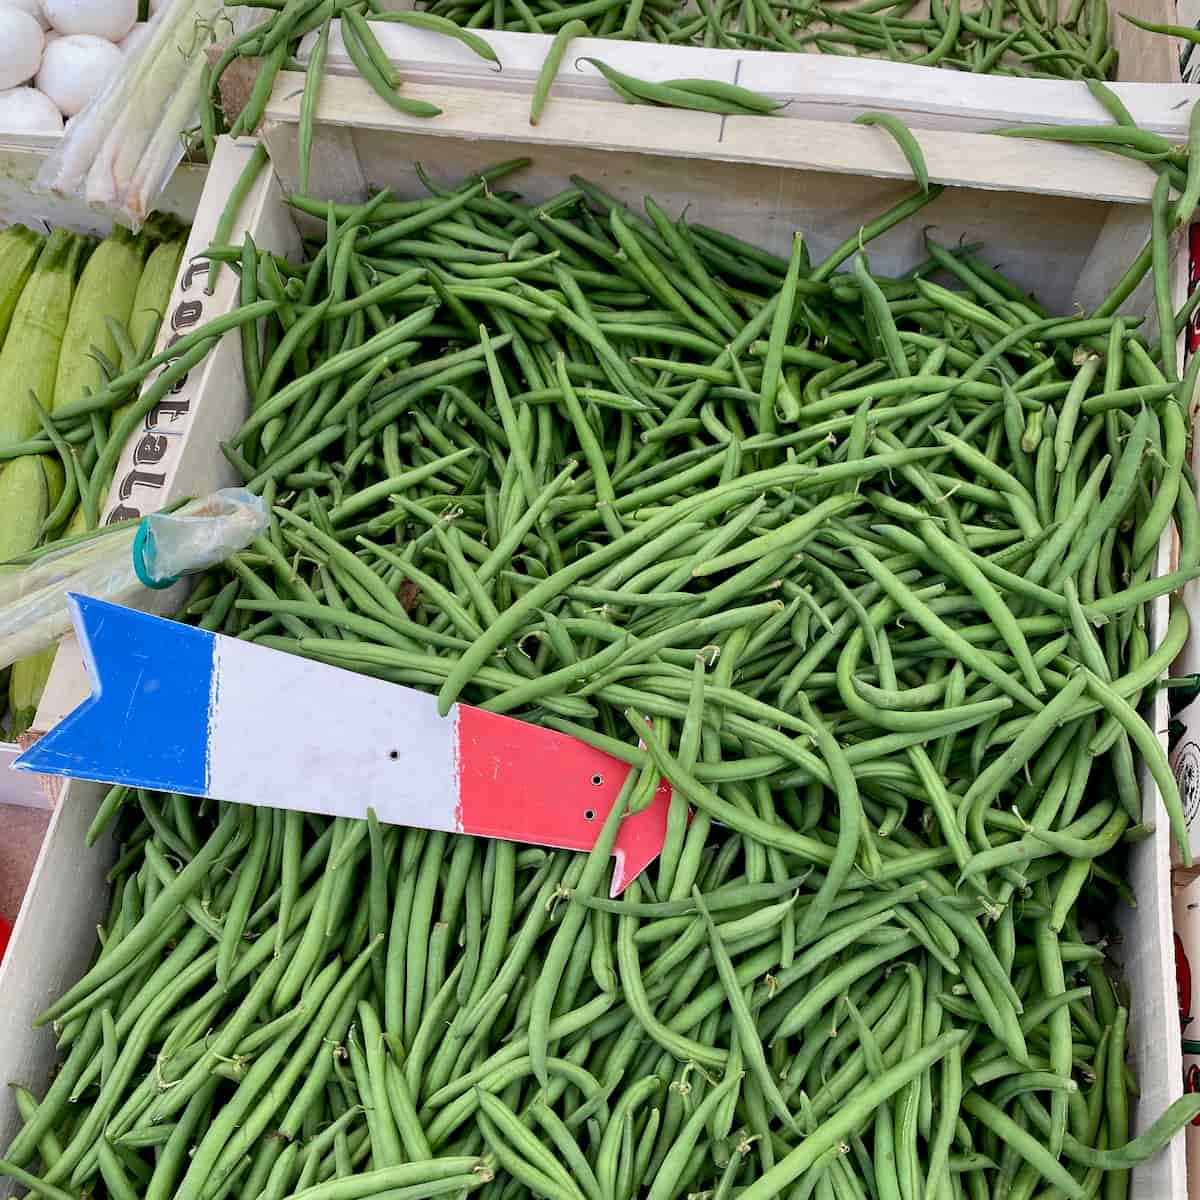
(139,561)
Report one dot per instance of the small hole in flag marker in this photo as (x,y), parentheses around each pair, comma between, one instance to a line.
(589,815)
(597,780)
(395,754)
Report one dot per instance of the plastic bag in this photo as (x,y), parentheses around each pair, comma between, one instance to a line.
(33,604)
(119,153)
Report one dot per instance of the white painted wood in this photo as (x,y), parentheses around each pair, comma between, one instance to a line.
(17,787)
(1050,232)
(388,750)
(333,160)
(1147,955)
(1146,950)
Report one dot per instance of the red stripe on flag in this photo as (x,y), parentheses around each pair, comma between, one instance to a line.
(528,784)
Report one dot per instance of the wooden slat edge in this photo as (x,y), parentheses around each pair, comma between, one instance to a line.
(969,160)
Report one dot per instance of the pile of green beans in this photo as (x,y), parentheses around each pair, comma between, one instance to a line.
(1004,37)
(1021,38)
(864,566)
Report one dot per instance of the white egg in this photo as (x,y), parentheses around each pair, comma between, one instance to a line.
(21,42)
(26,110)
(32,7)
(75,68)
(134,38)
(111,19)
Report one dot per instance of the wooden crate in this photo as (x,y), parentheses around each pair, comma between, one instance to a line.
(1063,222)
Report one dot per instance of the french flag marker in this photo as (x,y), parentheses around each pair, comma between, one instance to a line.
(179,709)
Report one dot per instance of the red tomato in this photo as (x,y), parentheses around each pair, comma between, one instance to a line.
(5,931)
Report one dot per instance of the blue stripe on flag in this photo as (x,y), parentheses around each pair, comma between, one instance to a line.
(146,723)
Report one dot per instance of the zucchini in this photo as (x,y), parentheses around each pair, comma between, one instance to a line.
(150,304)
(26,683)
(19,250)
(29,357)
(29,488)
(106,290)
(154,291)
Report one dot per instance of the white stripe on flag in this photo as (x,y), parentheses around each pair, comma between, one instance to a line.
(286,731)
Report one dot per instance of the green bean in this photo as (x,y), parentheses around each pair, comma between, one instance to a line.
(940,630)
(549,69)
(1137,1150)
(1142,737)
(681,1151)
(747,1036)
(1185,206)
(835,1128)
(1149,143)
(1161,226)
(358,45)
(383,1180)
(516,1135)
(1180,31)
(904,138)
(185,882)
(1032,1151)
(731,93)
(308,104)
(678,94)
(437,24)
(36,1186)
(238,194)
(1069,413)
(249,879)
